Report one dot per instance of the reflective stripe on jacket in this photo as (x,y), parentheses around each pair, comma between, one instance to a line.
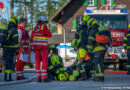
(126,40)
(25,38)
(39,37)
(12,38)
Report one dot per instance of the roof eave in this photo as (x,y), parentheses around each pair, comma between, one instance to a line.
(57,14)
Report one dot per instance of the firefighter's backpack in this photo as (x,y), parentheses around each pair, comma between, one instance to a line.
(3,33)
(104,35)
(102,39)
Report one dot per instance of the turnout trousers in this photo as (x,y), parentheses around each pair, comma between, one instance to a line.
(85,68)
(99,63)
(128,61)
(9,56)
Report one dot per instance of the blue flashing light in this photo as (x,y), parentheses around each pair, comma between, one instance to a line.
(88,11)
(124,11)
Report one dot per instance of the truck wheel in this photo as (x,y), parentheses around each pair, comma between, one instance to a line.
(121,65)
(115,67)
(0,71)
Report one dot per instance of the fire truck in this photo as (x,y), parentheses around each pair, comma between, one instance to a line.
(116,18)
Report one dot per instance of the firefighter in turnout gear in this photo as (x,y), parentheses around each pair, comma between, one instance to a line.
(11,47)
(3,31)
(3,35)
(81,34)
(83,61)
(39,43)
(23,50)
(97,46)
(55,66)
(84,64)
(126,44)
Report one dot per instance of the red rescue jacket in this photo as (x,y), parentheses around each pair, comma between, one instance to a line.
(25,38)
(39,37)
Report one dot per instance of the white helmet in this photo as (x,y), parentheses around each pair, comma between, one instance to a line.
(42,18)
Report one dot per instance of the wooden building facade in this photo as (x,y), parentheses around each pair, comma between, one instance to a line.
(73,8)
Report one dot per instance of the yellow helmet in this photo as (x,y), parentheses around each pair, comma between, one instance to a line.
(91,22)
(129,26)
(63,76)
(14,19)
(72,78)
(75,73)
(86,18)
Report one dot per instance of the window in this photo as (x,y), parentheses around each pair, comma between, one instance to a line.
(74,24)
(90,2)
(112,21)
(108,2)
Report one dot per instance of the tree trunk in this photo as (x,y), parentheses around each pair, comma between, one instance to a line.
(11,8)
(31,14)
(25,10)
(48,11)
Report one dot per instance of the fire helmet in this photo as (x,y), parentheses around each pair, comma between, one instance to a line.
(129,26)
(14,19)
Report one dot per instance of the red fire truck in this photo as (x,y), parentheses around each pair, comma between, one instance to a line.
(116,18)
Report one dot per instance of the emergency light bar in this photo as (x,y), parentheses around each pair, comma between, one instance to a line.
(124,11)
(88,11)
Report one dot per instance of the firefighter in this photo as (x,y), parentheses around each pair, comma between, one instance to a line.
(1,61)
(23,50)
(97,49)
(126,44)
(80,42)
(3,30)
(83,65)
(80,39)
(55,65)
(39,43)
(11,47)
(3,35)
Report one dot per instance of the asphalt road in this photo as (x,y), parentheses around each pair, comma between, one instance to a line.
(112,82)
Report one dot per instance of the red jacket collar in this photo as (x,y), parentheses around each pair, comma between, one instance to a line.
(20,27)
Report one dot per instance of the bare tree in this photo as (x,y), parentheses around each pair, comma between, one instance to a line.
(11,8)
(25,10)
(31,13)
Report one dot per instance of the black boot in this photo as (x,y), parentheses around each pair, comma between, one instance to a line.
(89,75)
(0,70)
(84,76)
(39,80)
(98,79)
(10,77)
(128,73)
(19,78)
(23,78)
(46,80)
(5,77)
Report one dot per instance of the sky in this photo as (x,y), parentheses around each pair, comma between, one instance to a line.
(7,8)
(6,5)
